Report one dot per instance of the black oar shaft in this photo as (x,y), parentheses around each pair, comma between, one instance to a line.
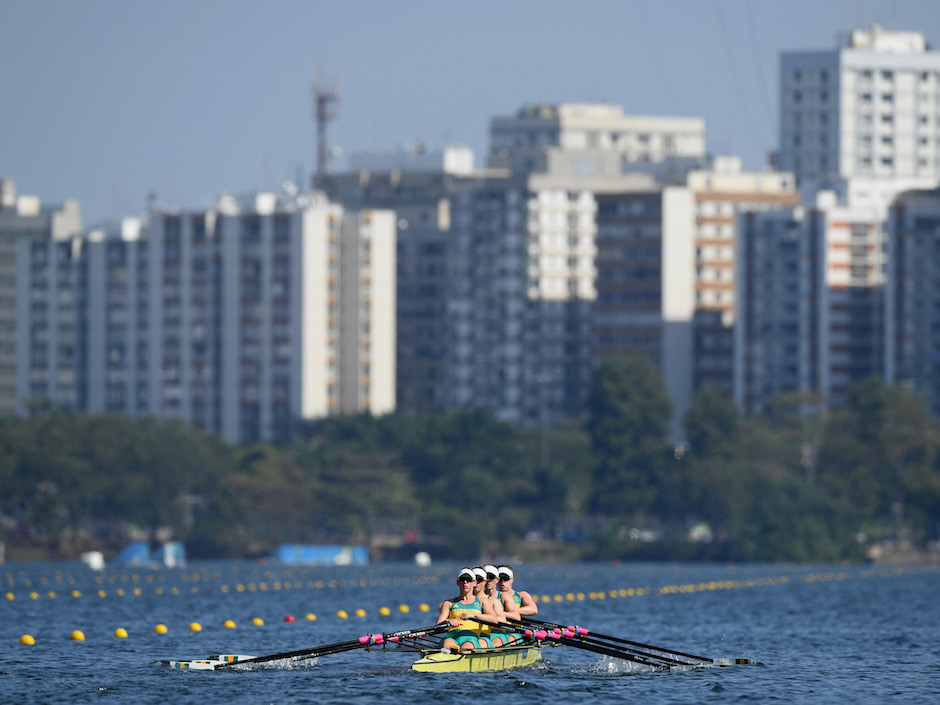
(603,649)
(624,641)
(339,647)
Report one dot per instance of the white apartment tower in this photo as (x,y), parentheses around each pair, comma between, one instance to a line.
(243,319)
(39,335)
(868,108)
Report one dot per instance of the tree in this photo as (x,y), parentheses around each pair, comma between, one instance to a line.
(629,417)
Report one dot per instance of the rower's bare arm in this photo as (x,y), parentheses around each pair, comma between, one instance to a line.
(445,611)
(510,607)
(489,612)
(500,612)
(528,606)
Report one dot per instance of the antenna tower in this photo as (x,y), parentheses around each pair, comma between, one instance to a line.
(325,100)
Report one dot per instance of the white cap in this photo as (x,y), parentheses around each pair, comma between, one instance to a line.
(491,569)
(468,572)
(505,570)
(480,573)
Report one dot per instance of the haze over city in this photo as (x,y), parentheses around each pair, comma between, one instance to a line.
(109,102)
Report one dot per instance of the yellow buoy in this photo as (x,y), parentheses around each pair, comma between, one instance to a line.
(160,629)
(77,636)
(342,614)
(360,612)
(195,627)
(258,622)
(423,607)
(27,639)
(312,617)
(10,596)
(384,611)
(76,593)
(404,609)
(228,624)
(120,633)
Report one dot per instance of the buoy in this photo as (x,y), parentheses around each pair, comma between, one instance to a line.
(76,593)
(77,636)
(27,639)
(384,611)
(404,609)
(10,596)
(258,622)
(160,629)
(312,617)
(360,612)
(195,627)
(228,624)
(342,614)
(120,633)
(423,607)
(290,618)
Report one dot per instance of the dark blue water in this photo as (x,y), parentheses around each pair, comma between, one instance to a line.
(822,634)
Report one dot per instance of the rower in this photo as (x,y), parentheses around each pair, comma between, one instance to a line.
(498,636)
(516,603)
(465,633)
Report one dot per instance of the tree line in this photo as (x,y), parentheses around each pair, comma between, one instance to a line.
(787,485)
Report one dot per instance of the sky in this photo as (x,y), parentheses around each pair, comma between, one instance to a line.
(110,101)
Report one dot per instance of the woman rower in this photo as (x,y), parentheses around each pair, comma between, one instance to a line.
(497,636)
(516,603)
(465,634)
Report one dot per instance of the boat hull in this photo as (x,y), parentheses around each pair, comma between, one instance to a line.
(500,659)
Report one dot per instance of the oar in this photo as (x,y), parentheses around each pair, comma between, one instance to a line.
(558,636)
(339,647)
(582,631)
(570,633)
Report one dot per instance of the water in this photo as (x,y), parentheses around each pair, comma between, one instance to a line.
(822,634)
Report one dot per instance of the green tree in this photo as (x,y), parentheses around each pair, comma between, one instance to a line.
(629,417)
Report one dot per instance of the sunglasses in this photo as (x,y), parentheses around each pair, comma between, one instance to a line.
(465,579)
(503,576)
(480,580)
(490,576)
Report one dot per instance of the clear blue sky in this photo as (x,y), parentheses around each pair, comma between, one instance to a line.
(109,100)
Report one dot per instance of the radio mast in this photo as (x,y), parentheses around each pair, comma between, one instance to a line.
(325,101)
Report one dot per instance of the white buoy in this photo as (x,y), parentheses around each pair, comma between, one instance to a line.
(423,559)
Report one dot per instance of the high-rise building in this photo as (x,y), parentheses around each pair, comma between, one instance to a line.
(868,108)
(912,340)
(811,303)
(38,309)
(242,319)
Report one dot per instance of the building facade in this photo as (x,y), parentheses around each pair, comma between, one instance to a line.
(243,319)
(868,108)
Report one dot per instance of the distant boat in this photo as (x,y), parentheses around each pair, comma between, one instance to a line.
(316,554)
(170,555)
(93,559)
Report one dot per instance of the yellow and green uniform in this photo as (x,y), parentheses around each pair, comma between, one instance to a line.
(467,630)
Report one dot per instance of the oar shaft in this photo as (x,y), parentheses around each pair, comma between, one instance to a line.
(622,641)
(327,649)
(597,648)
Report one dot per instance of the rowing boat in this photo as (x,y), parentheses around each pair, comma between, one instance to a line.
(500,658)
(209,664)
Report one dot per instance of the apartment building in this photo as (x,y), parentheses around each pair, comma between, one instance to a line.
(721,192)
(867,108)
(912,338)
(243,319)
(38,308)
(811,316)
